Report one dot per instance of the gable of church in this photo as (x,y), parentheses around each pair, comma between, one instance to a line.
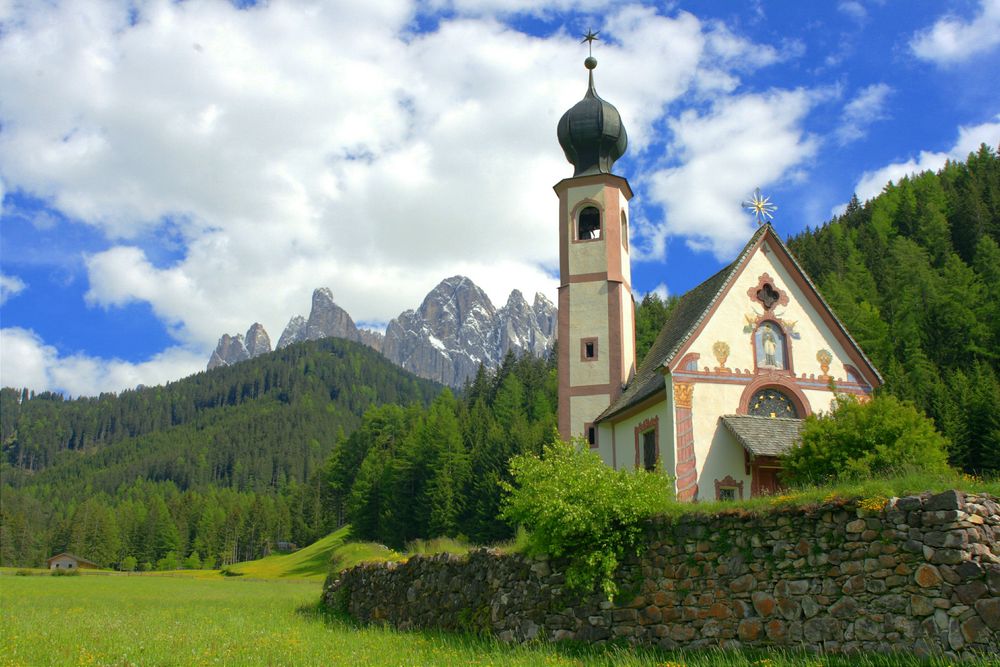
(755,343)
(770,326)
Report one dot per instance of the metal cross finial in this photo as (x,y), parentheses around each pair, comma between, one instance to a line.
(761,207)
(590,37)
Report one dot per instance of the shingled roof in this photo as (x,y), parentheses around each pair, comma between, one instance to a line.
(764,436)
(685,318)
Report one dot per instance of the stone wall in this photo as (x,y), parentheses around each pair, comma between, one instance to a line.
(922,575)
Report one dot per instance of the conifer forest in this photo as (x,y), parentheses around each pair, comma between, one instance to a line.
(222,466)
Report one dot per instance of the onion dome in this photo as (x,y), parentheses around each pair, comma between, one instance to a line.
(591,132)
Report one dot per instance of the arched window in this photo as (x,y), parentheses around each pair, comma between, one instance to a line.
(624,231)
(588,224)
(771,402)
(770,346)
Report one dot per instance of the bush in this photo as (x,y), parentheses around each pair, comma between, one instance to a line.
(861,440)
(129,564)
(574,505)
(169,562)
(193,562)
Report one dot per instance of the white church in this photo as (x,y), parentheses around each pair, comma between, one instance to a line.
(744,357)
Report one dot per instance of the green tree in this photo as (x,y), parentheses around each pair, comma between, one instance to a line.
(650,316)
(856,440)
(575,506)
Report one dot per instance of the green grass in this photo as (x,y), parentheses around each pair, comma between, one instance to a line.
(314,561)
(154,620)
(907,483)
(438,545)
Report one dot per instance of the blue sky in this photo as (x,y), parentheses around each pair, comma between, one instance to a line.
(173,171)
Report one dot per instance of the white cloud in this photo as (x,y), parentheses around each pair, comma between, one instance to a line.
(854,10)
(866,108)
(29,362)
(969,141)
(661,291)
(10,286)
(742,142)
(951,39)
(292,146)
(509,7)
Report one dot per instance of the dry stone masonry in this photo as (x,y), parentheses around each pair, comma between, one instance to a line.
(921,575)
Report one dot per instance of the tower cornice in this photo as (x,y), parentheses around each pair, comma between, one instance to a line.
(595,179)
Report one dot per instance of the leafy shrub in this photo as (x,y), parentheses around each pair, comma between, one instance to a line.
(574,505)
(862,440)
(169,562)
(129,563)
(193,562)
(23,573)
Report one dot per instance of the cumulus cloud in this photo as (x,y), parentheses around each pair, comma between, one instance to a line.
(10,286)
(866,108)
(723,154)
(952,39)
(29,363)
(854,9)
(969,141)
(661,291)
(291,146)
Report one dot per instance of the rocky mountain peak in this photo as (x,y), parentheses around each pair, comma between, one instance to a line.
(229,351)
(328,319)
(293,332)
(257,340)
(454,330)
(236,348)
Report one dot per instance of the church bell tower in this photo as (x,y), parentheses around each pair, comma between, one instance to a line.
(596,306)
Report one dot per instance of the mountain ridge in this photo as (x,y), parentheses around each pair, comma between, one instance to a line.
(454,330)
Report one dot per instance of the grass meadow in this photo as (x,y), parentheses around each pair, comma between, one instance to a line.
(162,620)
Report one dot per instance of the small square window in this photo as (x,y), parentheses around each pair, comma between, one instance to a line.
(588,349)
(727,493)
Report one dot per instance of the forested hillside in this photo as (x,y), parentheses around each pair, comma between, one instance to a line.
(220,466)
(915,276)
(424,473)
(233,454)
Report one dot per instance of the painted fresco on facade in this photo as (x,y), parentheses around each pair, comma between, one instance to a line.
(769,345)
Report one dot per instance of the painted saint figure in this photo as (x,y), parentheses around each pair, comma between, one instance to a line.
(770,346)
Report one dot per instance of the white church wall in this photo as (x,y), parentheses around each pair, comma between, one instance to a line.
(583,409)
(724,458)
(588,318)
(820,400)
(708,403)
(626,267)
(624,455)
(628,335)
(587,256)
